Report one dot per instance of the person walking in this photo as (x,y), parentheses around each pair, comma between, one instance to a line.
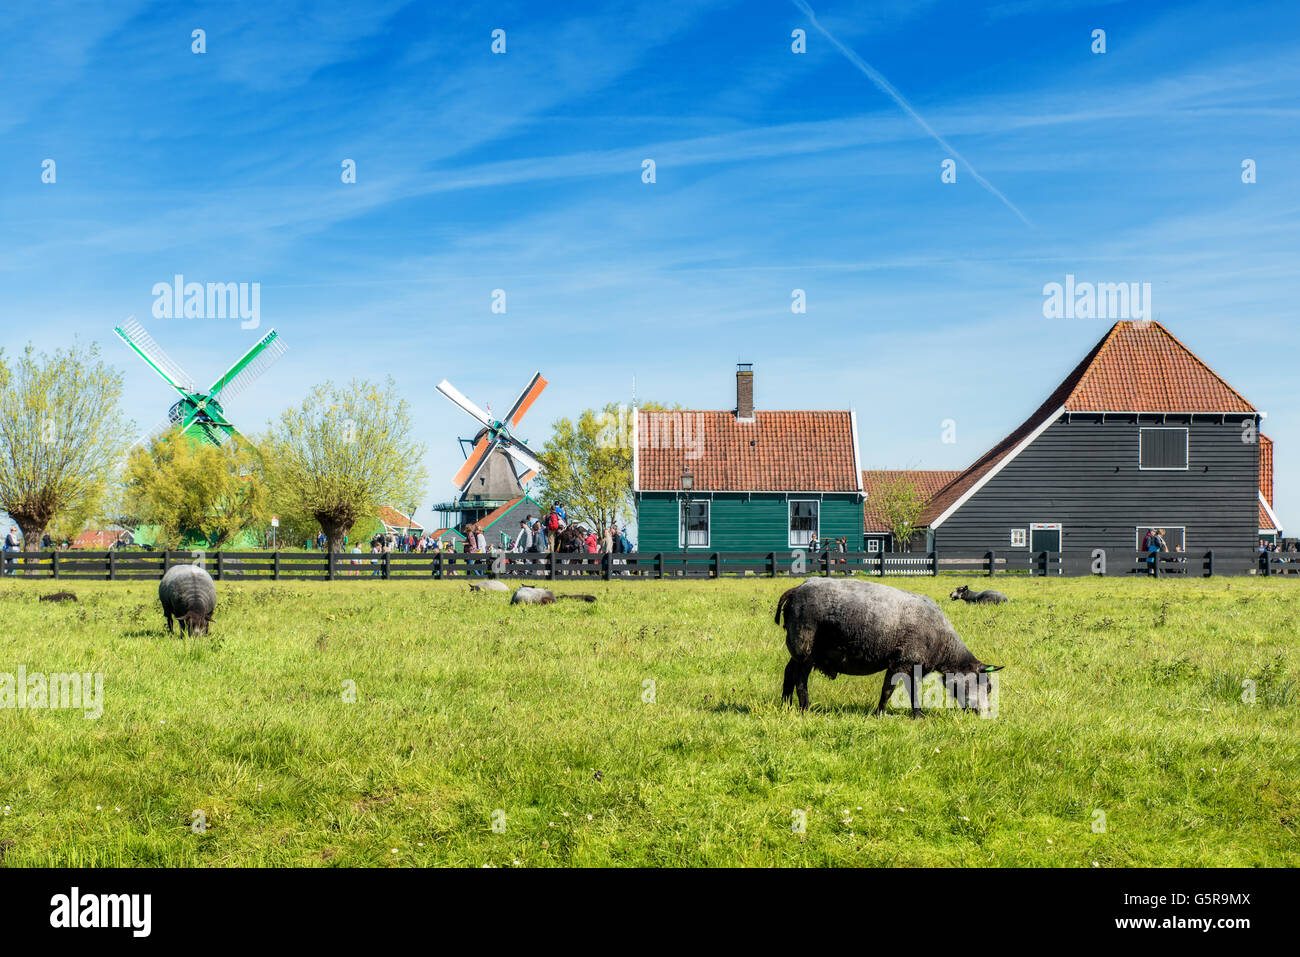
(11,545)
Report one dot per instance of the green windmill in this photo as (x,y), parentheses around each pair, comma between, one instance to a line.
(200,415)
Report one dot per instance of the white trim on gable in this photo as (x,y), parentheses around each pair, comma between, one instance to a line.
(857,459)
(987,476)
(1268,510)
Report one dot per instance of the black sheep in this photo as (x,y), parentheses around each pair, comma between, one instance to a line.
(841,626)
(188,595)
(989,597)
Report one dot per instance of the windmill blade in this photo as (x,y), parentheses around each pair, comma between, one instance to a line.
(253,363)
(521,455)
(525,400)
(527,477)
(472,464)
(135,336)
(451,392)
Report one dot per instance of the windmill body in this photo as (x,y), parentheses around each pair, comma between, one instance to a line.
(498,465)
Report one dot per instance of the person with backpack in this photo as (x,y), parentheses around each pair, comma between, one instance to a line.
(552,530)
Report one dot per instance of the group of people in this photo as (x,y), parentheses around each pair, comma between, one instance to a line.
(551,533)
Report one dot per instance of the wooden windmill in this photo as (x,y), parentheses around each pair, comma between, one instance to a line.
(498,464)
(200,415)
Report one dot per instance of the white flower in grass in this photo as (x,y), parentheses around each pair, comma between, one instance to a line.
(99,807)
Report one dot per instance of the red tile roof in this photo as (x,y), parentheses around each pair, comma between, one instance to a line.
(927,483)
(776,452)
(395,519)
(1264,520)
(1136,367)
(97,538)
(1266,468)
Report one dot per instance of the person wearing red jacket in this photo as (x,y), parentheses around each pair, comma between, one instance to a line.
(592,543)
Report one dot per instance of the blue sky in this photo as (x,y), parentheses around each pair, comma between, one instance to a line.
(774,170)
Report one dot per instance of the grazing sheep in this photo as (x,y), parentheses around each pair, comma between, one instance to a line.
(188,595)
(490,585)
(59,596)
(989,597)
(858,628)
(528,595)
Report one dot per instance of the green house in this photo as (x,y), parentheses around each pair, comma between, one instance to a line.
(745,481)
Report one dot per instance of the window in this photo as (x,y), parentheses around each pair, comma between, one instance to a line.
(1162,449)
(803,523)
(1017,538)
(694,532)
(1045,537)
(873,545)
(1175,536)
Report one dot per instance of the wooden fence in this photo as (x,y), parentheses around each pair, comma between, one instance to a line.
(131,565)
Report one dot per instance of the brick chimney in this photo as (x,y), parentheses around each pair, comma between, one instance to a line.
(745,391)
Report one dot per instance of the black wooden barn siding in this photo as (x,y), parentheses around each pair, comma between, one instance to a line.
(1083,473)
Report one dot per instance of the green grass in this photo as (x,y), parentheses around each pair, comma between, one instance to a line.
(1118,696)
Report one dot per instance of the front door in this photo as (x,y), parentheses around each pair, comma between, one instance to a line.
(1045,537)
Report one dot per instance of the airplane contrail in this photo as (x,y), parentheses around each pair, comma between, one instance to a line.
(887,88)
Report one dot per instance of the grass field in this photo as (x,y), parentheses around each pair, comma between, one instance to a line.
(1119,697)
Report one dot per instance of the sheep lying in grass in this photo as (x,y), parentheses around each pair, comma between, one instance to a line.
(528,595)
(188,595)
(490,585)
(858,628)
(989,597)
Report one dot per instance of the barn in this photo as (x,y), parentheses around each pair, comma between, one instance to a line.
(743,480)
(1141,434)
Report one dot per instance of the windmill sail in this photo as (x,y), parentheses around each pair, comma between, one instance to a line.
(246,371)
(135,336)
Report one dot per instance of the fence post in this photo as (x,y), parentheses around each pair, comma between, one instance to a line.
(992,563)
(551,570)
(934,564)
(606,564)
(54,561)
(659,565)
(221,565)
(275,575)
(329,565)
(386,566)
(437,565)
(167,560)
(717,567)
(112,565)
(1209,564)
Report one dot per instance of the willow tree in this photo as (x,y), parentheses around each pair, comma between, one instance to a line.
(344,453)
(899,502)
(62,434)
(190,488)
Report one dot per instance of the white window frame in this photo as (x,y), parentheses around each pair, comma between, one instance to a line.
(873,546)
(1044,527)
(1023,533)
(1137,534)
(683,518)
(789,521)
(1187,448)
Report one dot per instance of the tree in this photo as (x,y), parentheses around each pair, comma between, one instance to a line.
(588,465)
(185,487)
(62,434)
(342,455)
(899,502)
